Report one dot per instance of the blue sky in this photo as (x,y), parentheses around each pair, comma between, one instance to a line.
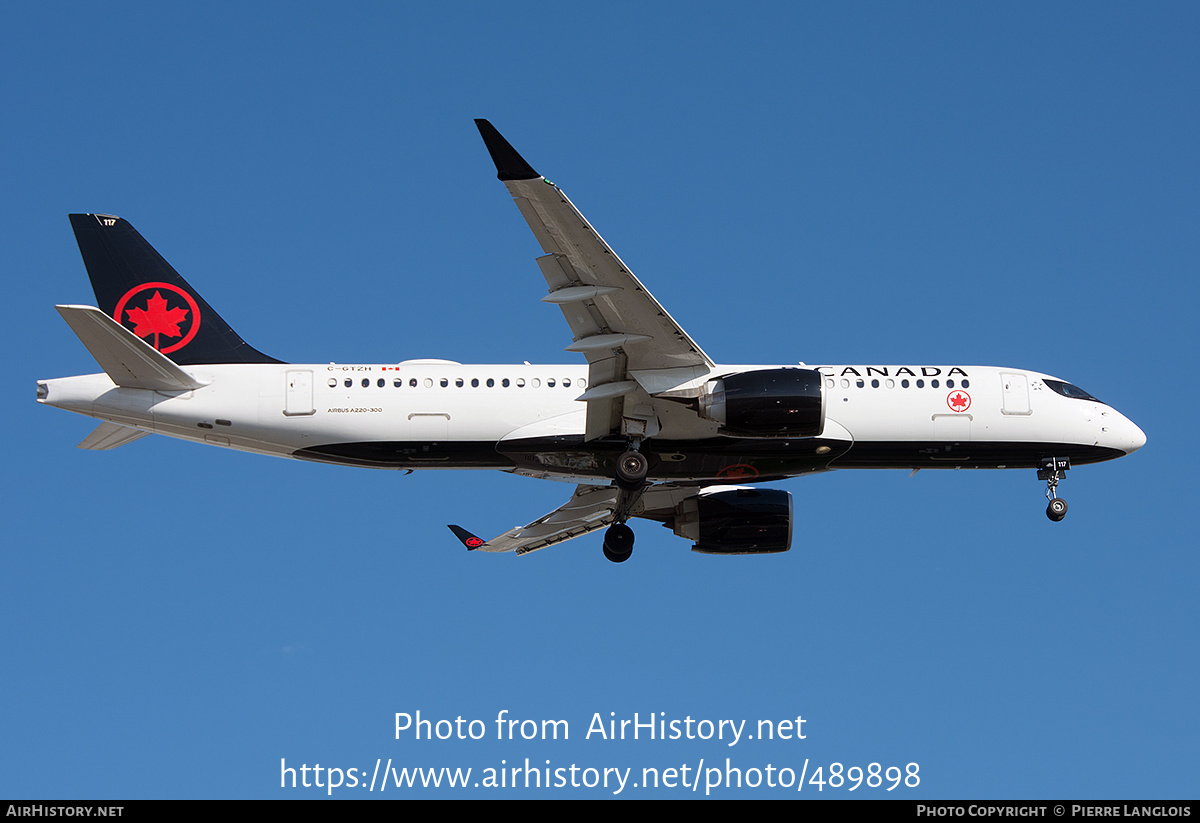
(830,183)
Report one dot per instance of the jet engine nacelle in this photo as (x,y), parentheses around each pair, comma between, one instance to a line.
(736,521)
(766,403)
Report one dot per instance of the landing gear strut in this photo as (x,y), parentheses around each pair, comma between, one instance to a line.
(1052,471)
(632,468)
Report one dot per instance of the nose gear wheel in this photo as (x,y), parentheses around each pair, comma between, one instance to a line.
(1052,471)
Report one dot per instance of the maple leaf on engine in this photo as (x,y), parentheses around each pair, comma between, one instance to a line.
(156,318)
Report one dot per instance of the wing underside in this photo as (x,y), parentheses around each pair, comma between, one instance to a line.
(589,509)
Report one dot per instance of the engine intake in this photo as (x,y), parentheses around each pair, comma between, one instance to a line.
(766,403)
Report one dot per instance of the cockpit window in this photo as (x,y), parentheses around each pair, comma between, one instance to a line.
(1067,390)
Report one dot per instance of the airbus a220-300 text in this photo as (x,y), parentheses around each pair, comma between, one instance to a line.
(649,427)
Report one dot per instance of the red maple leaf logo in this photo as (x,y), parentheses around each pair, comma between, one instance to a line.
(157,319)
(958,401)
(474,542)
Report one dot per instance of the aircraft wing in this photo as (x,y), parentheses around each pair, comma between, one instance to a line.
(590,508)
(615,322)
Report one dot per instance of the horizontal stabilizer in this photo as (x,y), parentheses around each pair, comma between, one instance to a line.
(110,436)
(129,361)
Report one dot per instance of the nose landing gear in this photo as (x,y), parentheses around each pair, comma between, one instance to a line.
(1057,509)
(1052,471)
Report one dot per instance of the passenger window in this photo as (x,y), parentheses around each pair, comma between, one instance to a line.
(444,382)
(491,382)
(349,382)
(933,383)
(413,382)
(582,383)
(333,382)
(949,384)
(566,382)
(904,383)
(520,382)
(874,384)
(535,383)
(859,382)
(474,382)
(966,384)
(397,382)
(459,382)
(504,382)
(920,384)
(550,382)
(380,382)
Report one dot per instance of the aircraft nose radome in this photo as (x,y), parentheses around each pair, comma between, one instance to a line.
(1119,432)
(1126,435)
(1137,438)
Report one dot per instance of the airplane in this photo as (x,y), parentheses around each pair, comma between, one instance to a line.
(649,426)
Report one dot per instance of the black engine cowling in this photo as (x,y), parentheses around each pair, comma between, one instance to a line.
(737,521)
(766,403)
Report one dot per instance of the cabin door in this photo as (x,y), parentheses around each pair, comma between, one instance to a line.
(1016,393)
(298,394)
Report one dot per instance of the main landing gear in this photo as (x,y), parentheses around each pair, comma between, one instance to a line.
(1052,471)
(618,542)
(632,468)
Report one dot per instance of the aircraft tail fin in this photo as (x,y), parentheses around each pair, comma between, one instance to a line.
(136,287)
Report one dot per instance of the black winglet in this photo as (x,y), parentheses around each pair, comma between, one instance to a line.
(469,540)
(509,164)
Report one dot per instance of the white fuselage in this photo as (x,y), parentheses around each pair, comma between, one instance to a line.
(439,414)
